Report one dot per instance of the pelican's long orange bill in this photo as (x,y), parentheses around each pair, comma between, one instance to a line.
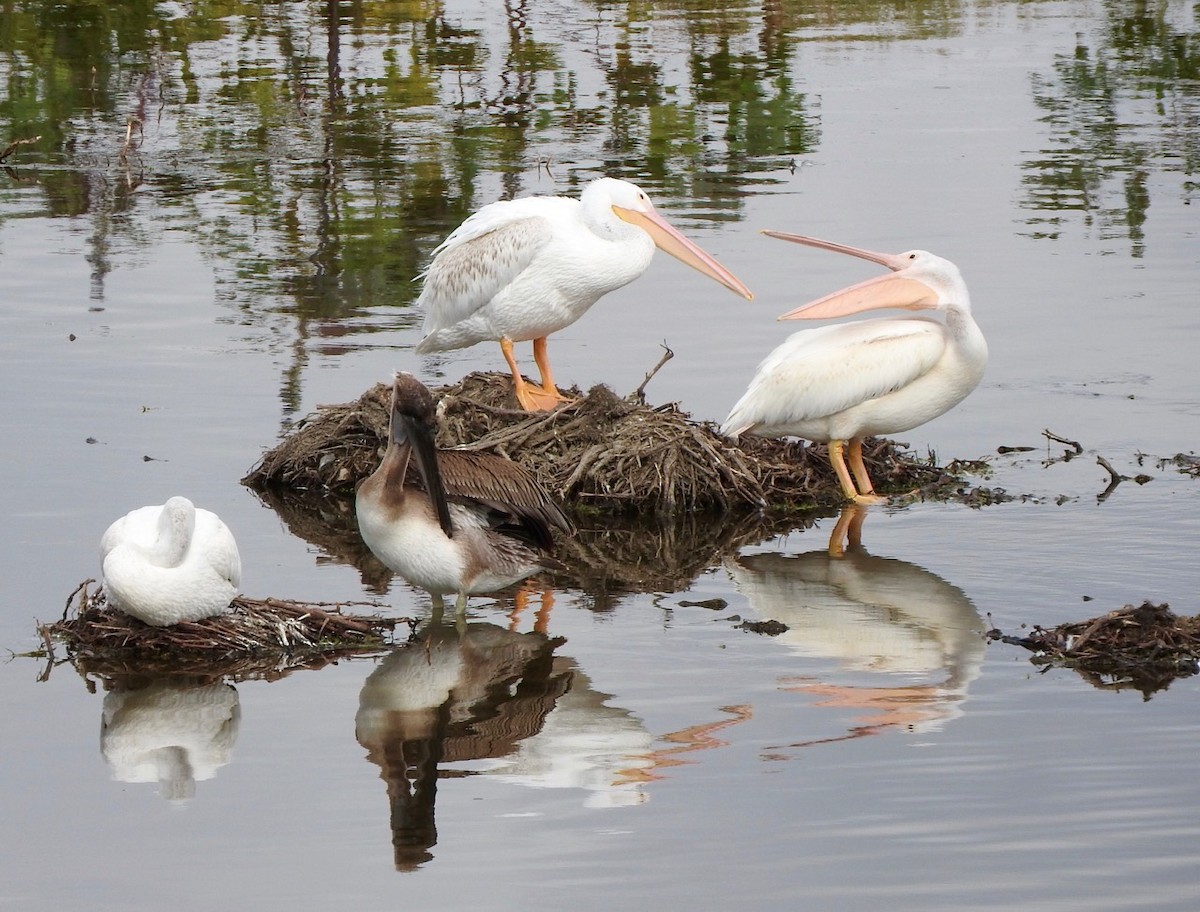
(874,294)
(889,260)
(667,239)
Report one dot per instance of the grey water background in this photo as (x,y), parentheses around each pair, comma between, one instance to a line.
(178,291)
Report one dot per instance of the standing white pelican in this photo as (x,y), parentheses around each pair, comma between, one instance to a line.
(841,383)
(521,269)
(170,563)
(470,523)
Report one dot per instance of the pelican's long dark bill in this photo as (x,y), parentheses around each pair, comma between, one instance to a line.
(873,294)
(420,439)
(667,239)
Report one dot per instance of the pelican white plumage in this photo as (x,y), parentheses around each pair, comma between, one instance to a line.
(838,384)
(519,270)
(169,563)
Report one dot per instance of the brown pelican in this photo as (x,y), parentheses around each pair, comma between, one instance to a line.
(463,522)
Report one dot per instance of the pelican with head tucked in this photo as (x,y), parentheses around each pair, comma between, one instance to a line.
(464,522)
(522,269)
(170,563)
(838,384)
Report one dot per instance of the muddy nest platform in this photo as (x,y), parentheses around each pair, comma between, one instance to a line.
(1144,648)
(600,453)
(257,639)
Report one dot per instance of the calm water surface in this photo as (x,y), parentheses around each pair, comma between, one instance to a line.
(170,305)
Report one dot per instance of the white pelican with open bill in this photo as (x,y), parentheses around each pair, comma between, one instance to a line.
(840,383)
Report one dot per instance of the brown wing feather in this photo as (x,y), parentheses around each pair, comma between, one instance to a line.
(505,487)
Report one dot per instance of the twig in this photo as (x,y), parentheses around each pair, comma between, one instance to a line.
(17,143)
(1050,435)
(133,121)
(70,598)
(1116,476)
(639,394)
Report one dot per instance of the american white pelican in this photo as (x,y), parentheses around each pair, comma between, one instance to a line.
(841,383)
(521,269)
(170,563)
(464,522)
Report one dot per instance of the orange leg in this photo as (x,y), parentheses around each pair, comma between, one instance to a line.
(543,363)
(531,398)
(859,468)
(837,459)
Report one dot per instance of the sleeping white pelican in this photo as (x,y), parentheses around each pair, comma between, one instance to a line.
(170,563)
(521,269)
(841,383)
(463,522)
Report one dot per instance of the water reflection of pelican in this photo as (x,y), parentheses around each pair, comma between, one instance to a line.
(472,523)
(453,694)
(585,744)
(170,731)
(872,614)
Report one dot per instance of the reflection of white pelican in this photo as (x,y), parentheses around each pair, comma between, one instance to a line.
(523,269)
(841,383)
(463,522)
(872,614)
(169,732)
(585,744)
(454,694)
(170,563)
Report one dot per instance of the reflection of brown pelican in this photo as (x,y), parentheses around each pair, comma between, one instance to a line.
(873,614)
(170,731)
(453,694)
(471,522)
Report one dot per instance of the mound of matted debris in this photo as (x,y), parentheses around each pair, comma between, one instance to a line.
(257,638)
(600,453)
(1144,648)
